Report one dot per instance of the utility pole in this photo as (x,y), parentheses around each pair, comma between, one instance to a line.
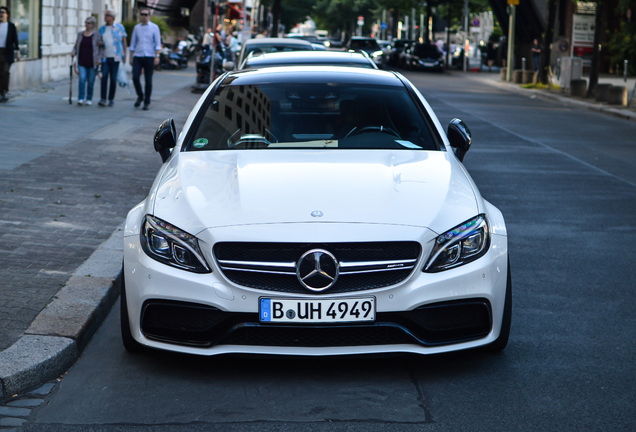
(512,4)
(465,41)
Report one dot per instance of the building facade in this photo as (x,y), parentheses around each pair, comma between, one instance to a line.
(47,30)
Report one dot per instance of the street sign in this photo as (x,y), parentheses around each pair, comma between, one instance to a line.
(513,2)
(360,20)
(476,22)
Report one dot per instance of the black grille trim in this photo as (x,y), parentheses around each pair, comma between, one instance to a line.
(204,326)
(272,266)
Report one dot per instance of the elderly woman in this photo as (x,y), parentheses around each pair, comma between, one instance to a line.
(88,51)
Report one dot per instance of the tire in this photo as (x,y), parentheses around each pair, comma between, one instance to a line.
(500,343)
(130,343)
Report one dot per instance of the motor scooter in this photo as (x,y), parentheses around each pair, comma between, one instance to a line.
(204,64)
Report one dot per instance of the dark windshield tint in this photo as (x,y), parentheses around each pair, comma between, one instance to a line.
(430,51)
(285,115)
(366,44)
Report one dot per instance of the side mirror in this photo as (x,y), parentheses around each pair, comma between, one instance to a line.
(459,137)
(165,139)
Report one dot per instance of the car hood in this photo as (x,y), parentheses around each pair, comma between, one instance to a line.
(200,190)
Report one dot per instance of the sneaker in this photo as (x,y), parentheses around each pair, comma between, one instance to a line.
(89,102)
(111,103)
(146,107)
(80,102)
(102,102)
(138,102)
(4,98)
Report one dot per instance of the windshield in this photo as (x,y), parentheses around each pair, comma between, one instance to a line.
(369,44)
(330,116)
(260,49)
(427,51)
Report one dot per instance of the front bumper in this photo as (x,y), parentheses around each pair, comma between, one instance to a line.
(208,314)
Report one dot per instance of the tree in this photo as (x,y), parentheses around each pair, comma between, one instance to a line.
(546,52)
(275,17)
(621,42)
(598,23)
(342,14)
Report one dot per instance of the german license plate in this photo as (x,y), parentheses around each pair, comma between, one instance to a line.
(341,310)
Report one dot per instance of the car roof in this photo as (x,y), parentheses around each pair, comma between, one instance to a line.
(313,74)
(310,57)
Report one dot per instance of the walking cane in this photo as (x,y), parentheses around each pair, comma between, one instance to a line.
(70,87)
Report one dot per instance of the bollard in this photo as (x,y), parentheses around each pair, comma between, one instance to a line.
(625,69)
(601,92)
(617,95)
(523,63)
(578,87)
(528,77)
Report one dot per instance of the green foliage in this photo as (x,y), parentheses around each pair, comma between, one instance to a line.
(294,12)
(342,14)
(621,46)
(129,25)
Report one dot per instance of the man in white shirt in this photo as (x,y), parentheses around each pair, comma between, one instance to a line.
(145,46)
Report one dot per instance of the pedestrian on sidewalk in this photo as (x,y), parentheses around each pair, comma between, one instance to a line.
(8,44)
(88,53)
(536,53)
(145,46)
(491,55)
(114,51)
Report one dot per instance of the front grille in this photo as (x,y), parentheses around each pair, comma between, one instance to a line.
(204,326)
(272,266)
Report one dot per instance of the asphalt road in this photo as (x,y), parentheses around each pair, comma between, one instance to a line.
(565,179)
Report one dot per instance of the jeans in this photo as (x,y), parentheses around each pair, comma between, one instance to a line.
(86,82)
(148,65)
(4,73)
(109,70)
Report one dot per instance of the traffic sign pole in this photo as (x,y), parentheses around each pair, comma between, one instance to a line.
(511,39)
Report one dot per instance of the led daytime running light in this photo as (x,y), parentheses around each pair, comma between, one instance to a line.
(474,232)
(175,245)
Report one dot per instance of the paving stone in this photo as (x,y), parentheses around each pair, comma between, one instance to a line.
(44,389)
(25,403)
(14,411)
(11,422)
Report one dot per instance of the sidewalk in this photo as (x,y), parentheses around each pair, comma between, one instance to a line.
(627,112)
(68,176)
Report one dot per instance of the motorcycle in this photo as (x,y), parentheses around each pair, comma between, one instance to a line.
(221,64)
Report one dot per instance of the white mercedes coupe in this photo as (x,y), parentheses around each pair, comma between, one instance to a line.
(314,211)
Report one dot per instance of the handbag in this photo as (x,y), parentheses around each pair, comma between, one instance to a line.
(122,79)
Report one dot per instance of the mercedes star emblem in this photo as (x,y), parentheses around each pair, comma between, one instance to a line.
(317,270)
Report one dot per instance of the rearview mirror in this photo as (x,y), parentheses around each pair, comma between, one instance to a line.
(165,139)
(459,137)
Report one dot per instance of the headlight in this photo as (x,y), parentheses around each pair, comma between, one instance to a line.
(377,54)
(461,245)
(169,245)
